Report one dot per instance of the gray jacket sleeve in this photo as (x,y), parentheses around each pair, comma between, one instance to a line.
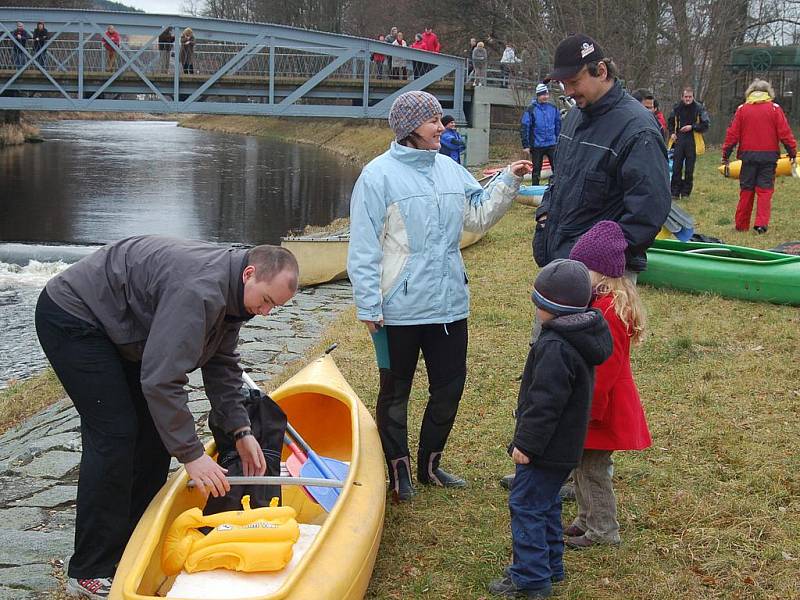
(174,347)
(222,377)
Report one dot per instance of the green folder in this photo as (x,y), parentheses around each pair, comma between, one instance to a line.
(381,343)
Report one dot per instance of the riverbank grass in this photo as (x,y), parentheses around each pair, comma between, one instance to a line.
(710,511)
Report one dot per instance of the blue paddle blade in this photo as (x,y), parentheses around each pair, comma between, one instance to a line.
(325,496)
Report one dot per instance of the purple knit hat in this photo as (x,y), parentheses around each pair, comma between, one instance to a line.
(602,249)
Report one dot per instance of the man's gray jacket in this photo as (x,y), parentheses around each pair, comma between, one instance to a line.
(611,165)
(175,305)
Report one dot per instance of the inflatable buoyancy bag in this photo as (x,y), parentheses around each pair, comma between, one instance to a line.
(248,540)
(268,424)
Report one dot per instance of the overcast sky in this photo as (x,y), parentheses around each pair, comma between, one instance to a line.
(169,7)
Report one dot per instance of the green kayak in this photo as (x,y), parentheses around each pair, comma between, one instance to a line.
(731,271)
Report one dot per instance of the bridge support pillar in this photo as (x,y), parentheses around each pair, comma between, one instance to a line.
(478,134)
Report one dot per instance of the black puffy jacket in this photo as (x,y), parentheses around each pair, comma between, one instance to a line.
(612,165)
(555,396)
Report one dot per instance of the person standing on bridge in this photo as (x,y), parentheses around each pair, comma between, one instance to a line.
(122,328)
(111,35)
(21,37)
(408,211)
(40,36)
(166,41)
(187,51)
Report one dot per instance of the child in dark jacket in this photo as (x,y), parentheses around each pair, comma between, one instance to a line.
(552,415)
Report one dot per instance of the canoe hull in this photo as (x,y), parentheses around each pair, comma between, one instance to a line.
(321,260)
(340,562)
(782,169)
(744,273)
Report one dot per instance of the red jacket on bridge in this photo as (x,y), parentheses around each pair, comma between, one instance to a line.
(430,41)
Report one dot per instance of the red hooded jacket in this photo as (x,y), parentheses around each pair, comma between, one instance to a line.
(431,42)
(617,420)
(759,127)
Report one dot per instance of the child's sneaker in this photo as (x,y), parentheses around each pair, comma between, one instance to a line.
(506,588)
(93,589)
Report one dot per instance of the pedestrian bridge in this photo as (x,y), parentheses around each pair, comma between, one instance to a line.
(237,68)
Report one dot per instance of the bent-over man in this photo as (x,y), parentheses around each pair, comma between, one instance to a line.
(122,328)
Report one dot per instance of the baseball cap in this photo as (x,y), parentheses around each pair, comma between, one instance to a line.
(571,54)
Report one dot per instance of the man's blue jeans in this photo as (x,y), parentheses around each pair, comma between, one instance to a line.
(536,530)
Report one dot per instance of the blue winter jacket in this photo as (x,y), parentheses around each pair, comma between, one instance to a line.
(407,213)
(452,144)
(540,125)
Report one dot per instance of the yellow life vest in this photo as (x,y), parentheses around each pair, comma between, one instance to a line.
(247,540)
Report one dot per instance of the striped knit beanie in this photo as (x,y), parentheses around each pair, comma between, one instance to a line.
(410,110)
(563,287)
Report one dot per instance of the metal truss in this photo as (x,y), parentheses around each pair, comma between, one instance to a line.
(238,68)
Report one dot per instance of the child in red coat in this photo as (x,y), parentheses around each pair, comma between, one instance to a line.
(617,420)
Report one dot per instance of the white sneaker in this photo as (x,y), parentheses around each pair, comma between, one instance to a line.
(93,589)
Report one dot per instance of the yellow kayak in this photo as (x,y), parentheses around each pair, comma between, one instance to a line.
(338,564)
(782,169)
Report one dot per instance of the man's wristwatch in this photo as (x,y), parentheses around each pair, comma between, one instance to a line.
(241,434)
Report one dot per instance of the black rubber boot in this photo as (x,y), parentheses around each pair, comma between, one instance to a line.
(429,473)
(400,479)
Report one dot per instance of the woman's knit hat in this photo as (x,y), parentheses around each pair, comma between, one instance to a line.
(410,110)
(602,249)
(563,287)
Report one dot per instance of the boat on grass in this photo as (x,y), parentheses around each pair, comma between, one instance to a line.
(341,547)
(730,271)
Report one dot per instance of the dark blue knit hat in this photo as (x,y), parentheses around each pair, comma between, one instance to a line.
(563,287)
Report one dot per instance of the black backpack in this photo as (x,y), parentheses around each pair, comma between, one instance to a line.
(268,423)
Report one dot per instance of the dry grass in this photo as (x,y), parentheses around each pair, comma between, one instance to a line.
(712,510)
(22,399)
(12,134)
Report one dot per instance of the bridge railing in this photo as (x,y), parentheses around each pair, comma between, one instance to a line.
(208,58)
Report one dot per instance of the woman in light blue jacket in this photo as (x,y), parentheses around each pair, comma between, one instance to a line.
(408,210)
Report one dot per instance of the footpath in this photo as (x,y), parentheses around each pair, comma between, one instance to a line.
(39,459)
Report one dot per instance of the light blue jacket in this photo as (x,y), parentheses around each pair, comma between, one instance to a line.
(408,210)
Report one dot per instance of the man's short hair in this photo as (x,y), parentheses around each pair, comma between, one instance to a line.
(687,89)
(269,261)
(611,67)
(447,119)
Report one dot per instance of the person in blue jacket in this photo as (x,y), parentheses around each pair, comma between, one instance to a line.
(408,210)
(539,129)
(452,142)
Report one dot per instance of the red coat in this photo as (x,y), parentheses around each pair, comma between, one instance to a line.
(114,35)
(617,420)
(431,42)
(759,127)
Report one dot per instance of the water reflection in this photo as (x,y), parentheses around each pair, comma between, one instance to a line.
(98,181)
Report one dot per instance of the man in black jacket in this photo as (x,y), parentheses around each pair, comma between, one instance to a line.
(122,328)
(612,162)
(687,123)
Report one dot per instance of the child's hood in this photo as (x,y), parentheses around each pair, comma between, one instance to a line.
(587,332)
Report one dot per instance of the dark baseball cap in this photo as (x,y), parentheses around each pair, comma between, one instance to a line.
(571,54)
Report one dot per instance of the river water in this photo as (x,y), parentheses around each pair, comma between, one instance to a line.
(93,182)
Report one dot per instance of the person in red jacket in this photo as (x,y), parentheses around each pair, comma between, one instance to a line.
(617,420)
(111,52)
(431,41)
(758,127)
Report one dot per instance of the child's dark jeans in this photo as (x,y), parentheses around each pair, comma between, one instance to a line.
(536,531)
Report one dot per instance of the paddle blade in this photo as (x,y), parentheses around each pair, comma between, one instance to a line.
(294,465)
(325,496)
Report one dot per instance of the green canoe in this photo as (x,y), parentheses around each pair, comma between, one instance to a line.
(731,271)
